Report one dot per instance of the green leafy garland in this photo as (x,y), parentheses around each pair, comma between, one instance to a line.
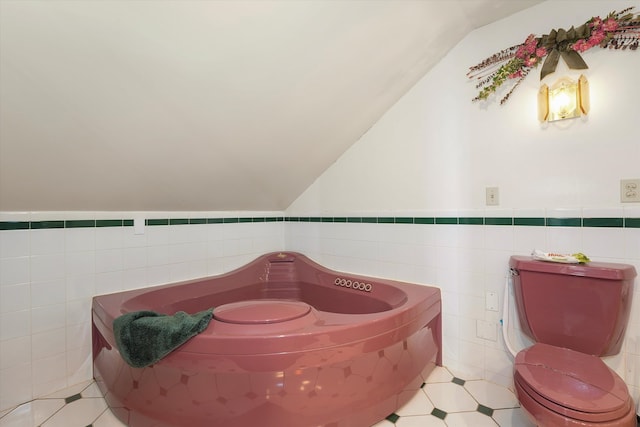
(619,30)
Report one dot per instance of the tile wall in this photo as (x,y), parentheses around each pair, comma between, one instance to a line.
(466,253)
(51,264)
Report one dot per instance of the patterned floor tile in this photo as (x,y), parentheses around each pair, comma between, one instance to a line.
(33,413)
(491,395)
(470,419)
(450,397)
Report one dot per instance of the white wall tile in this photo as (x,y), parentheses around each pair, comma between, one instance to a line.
(16,385)
(48,317)
(158,255)
(46,293)
(15,324)
(47,241)
(134,257)
(564,239)
(14,270)
(79,239)
(79,287)
(527,238)
(158,275)
(47,267)
(632,243)
(79,365)
(78,312)
(80,263)
(49,374)
(188,270)
(15,352)
(157,235)
(108,282)
(109,260)
(472,237)
(499,237)
(187,233)
(109,237)
(603,242)
(15,298)
(48,344)
(14,243)
(184,252)
(134,278)
(131,240)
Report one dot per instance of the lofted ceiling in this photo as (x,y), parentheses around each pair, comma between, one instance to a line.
(203,105)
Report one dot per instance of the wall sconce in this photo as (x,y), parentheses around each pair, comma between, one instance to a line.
(565,99)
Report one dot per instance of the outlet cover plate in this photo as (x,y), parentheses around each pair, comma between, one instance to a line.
(630,190)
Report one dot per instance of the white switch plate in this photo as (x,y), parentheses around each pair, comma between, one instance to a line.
(493,196)
(630,190)
(491,301)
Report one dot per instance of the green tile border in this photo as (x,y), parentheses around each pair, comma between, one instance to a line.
(109,223)
(152,222)
(446,220)
(603,222)
(564,222)
(14,225)
(527,221)
(488,221)
(178,221)
(471,220)
(424,220)
(80,223)
(38,225)
(498,221)
(632,223)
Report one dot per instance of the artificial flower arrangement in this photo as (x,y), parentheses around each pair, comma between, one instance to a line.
(619,30)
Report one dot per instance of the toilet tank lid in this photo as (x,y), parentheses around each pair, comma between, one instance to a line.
(599,270)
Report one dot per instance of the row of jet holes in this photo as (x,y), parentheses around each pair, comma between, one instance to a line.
(360,286)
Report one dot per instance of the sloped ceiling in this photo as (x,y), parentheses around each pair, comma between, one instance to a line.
(203,105)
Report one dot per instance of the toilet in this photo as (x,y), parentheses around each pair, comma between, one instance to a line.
(575,314)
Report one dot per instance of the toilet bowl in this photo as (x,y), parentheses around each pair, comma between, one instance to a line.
(563,387)
(574,314)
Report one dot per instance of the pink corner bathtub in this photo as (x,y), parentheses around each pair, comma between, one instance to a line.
(291,343)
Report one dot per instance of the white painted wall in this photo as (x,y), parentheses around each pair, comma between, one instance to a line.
(435,149)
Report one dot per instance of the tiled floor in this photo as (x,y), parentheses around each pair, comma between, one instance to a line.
(443,400)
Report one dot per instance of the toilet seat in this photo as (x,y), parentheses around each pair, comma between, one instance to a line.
(571,384)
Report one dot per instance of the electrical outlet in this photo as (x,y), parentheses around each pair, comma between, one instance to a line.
(493,196)
(630,190)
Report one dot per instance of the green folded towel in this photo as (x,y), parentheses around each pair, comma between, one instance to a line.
(145,337)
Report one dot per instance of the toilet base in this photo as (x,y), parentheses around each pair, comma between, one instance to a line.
(544,417)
